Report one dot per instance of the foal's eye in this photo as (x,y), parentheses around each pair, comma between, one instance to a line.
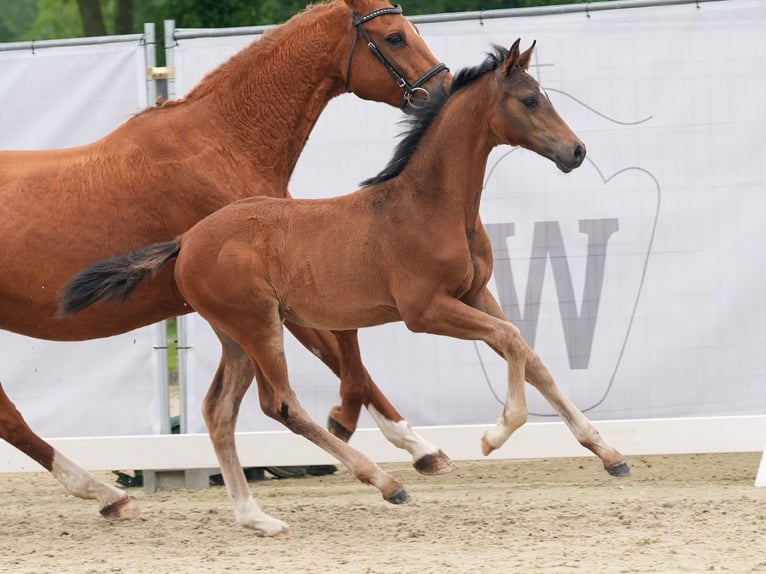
(395,39)
(530,102)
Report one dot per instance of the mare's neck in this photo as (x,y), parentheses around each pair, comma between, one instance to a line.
(268,97)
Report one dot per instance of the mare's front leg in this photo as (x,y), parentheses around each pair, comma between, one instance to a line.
(220,409)
(539,377)
(115,503)
(340,352)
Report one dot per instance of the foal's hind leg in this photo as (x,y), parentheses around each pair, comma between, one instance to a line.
(115,503)
(539,377)
(341,354)
(220,409)
(262,339)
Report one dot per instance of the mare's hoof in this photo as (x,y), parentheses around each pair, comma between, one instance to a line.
(338,429)
(122,509)
(620,469)
(399,497)
(435,463)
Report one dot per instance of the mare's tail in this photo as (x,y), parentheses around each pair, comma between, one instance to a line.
(115,278)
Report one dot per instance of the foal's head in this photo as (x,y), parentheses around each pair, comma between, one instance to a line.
(519,113)
(525,116)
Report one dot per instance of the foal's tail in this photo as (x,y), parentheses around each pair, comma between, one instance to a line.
(115,278)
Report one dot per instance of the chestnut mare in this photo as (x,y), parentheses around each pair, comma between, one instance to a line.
(409,246)
(239,133)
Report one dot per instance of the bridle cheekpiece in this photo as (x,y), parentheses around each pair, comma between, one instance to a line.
(409,89)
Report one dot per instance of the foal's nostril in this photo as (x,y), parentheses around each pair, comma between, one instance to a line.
(579,153)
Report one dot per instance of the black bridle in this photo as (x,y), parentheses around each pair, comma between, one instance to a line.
(409,89)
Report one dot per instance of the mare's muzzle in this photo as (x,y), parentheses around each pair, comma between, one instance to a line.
(415,95)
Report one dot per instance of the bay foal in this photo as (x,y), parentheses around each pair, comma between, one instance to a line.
(409,246)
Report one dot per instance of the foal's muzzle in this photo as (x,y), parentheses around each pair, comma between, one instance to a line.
(571,160)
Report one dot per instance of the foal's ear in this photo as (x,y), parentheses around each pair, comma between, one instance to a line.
(513,57)
(526,57)
(516,61)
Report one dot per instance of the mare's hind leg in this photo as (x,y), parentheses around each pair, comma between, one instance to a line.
(220,409)
(427,457)
(340,352)
(115,503)
(539,377)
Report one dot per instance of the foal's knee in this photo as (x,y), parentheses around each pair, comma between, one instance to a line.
(517,349)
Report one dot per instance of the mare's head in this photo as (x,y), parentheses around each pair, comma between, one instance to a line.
(388,60)
(524,116)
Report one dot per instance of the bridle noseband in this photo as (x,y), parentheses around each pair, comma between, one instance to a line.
(409,89)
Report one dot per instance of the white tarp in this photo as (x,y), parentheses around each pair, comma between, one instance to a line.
(639,278)
(64,96)
(57,97)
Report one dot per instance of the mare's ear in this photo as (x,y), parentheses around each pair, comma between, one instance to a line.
(512,59)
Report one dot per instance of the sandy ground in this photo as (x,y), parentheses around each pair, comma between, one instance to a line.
(675,514)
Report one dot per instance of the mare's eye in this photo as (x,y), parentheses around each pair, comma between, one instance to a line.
(530,102)
(395,39)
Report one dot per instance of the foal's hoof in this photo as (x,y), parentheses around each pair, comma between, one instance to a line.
(620,469)
(399,497)
(338,429)
(277,531)
(266,526)
(122,509)
(434,463)
(486,448)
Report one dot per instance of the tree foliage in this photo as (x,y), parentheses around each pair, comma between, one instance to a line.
(46,19)
(15,17)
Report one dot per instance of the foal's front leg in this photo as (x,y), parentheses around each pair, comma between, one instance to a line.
(445,315)
(540,378)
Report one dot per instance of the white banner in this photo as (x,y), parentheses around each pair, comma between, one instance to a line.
(70,95)
(57,97)
(638,278)
(104,387)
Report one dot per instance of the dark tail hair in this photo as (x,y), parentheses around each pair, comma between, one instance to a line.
(115,278)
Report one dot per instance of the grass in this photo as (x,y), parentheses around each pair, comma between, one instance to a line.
(172,331)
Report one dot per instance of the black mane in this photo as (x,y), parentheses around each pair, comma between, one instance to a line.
(422,118)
